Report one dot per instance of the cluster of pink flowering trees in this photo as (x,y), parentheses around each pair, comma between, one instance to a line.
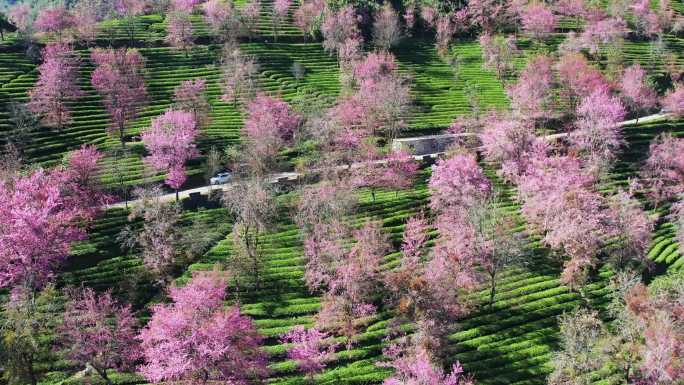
(646,346)
(119,80)
(57,86)
(42,213)
(170,142)
(229,23)
(197,338)
(79,22)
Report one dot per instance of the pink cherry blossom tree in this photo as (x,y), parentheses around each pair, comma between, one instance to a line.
(598,133)
(633,228)
(657,317)
(456,183)
(418,368)
(179,33)
(83,173)
(602,32)
(39,223)
(650,21)
(446,28)
(129,9)
(184,6)
(674,101)
(86,20)
(100,332)
(538,21)
(249,15)
(578,79)
(414,239)
(427,288)
(270,125)
(57,86)
(498,53)
(571,8)
(196,339)
(663,171)
(191,96)
(338,27)
(119,80)
(319,215)
(20,16)
(281,8)
(382,100)
(637,91)
(238,75)
(560,200)
(159,240)
(222,19)
(395,171)
(308,16)
(170,142)
(55,20)
(251,203)
(532,95)
(309,349)
(386,28)
(490,15)
(491,240)
(375,66)
(355,280)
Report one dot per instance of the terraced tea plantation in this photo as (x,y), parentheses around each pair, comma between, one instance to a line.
(512,341)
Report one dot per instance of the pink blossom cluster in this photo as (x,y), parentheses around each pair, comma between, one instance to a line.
(170,142)
(20,16)
(307,15)
(57,86)
(636,89)
(538,20)
(118,78)
(309,349)
(658,318)
(195,337)
(129,8)
(649,21)
(40,220)
(282,7)
(355,279)
(55,20)
(663,171)
(99,331)
(598,133)
(674,100)
(532,95)
(379,104)
(184,5)
(417,368)
(578,78)
(340,27)
(511,144)
(456,183)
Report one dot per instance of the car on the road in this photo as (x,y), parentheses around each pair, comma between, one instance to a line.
(221,178)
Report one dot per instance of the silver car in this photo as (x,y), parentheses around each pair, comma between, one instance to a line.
(221,178)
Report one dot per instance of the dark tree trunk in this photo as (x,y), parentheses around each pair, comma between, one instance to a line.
(492,291)
(103,374)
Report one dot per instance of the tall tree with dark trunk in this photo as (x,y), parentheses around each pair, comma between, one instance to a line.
(118,77)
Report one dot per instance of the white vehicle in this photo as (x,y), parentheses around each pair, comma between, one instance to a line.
(221,178)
